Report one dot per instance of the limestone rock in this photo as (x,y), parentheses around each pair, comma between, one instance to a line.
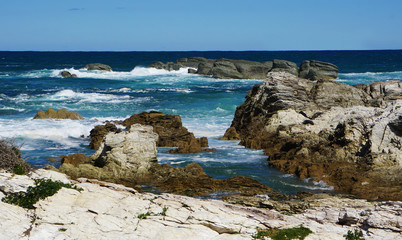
(98,67)
(111,211)
(327,130)
(134,150)
(60,114)
(316,70)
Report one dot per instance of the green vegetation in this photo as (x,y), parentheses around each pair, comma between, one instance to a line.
(62,229)
(43,188)
(11,160)
(163,213)
(353,235)
(144,215)
(283,234)
(397,107)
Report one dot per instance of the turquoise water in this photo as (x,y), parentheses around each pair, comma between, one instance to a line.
(31,82)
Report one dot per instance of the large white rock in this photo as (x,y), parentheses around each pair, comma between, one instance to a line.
(134,150)
(111,211)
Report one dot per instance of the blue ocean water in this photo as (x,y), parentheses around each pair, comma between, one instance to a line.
(31,81)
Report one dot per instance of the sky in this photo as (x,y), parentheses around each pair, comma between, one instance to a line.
(202,25)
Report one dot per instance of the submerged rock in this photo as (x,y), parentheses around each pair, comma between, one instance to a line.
(347,136)
(98,67)
(60,114)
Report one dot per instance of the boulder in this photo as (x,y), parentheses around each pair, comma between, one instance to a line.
(315,70)
(60,114)
(205,68)
(284,66)
(192,70)
(98,67)
(99,132)
(75,159)
(67,74)
(134,150)
(327,130)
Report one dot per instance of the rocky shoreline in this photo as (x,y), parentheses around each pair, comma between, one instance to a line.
(347,136)
(103,210)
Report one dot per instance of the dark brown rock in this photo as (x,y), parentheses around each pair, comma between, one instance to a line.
(75,159)
(98,133)
(67,74)
(170,130)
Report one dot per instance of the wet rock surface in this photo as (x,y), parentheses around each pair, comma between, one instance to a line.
(344,135)
(105,210)
(59,114)
(98,67)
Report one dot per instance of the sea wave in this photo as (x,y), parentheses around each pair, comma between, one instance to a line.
(69,94)
(368,77)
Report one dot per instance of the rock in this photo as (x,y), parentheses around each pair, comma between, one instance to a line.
(396,126)
(75,159)
(316,70)
(99,132)
(285,66)
(170,130)
(67,74)
(231,134)
(192,70)
(243,69)
(134,150)
(353,144)
(60,114)
(110,211)
(98,67)
(205,68)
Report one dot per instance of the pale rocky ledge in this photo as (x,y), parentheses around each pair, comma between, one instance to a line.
(111,211)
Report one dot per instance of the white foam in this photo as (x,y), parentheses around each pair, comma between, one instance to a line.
(69,94)
(11,108)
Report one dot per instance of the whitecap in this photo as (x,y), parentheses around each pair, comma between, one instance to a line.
(69,94)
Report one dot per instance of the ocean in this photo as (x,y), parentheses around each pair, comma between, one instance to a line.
(31,81)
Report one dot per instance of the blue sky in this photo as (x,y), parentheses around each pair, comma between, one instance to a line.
(160,25)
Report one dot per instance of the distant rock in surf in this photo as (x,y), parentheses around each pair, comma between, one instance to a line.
(67,74)
(98,67)
(60,114)
(243,69)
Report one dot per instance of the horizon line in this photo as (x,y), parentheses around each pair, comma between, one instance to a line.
(150,51)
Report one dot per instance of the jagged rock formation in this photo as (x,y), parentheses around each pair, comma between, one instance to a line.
(242,69)
(348,136)
(60,114)
(98,67)
(130,158)
(104,210)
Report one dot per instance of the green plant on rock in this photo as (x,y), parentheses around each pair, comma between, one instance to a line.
(163,213)
(355,235)
(283,234)
(43,188)
(144,215)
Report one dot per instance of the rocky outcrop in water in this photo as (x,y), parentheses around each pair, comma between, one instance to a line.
(105,210)
(60,114)
(67,74)
(99,132)
(98,67)
(345,135)
(242,69)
